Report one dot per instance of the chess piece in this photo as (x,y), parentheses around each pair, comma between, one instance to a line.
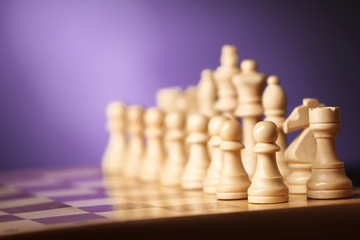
(154,152)
(216,155)
(328,179)
(166,98)
(136,145)
(229,61)
(198,161)
(267,184)
(175,159)
(116,148)
(234,181)
(206,94)
(301,153)
(249,85)
(274,101)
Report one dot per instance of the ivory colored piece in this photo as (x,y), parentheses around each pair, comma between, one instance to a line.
(267,184)
(301,153)
(328,179)
(229,61)
(176,158)
(216,155)
(274,101)
(136,145)
(198,160)
(234,181)
(154,152)
(206,94)
(249,85)
(116,148)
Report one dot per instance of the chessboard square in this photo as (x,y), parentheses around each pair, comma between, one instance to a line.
(116,207)
(64,192)
(3,213)
(23,202)
(8,191)
(36,207)
(139,214)
(51,213)
(94,202)
(78,218)
(9,218)
(200,207)
(181,201)
(15,195)
(79,197)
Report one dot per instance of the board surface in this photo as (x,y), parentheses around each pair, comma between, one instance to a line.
(48,199)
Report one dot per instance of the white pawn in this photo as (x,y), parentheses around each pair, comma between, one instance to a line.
(116,148)
(274,101)
(216,155)
(136,145)
(154,152)
(234,181)
(267,184)
(198,161)
(176,158)
(206,94)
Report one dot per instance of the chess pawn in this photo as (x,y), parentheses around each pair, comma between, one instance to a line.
(267,184)
(274,101)
(154,152)
(166,98)
(206,94)
(198,161)
(328,179)
(234,181)
(216,155)
(175,160)
(249,85)
(115,151)
(136,145)
(229,61)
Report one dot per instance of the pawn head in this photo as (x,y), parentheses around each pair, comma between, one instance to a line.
(154,117)
(197,123)
(135,113)
(174,120)
(115,109)
(230,130)
(215,123)
(273,80)
(249,65)
(265,132)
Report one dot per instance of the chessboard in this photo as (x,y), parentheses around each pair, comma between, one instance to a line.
(77,202)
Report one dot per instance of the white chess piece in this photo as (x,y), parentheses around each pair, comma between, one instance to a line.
(154,151)
(216,155)
(328,179)
(136,145)
(267,184)
(198,161)
(249,85)
(176,158)
(234,181)
(274,101)
(116,148)
(206,94)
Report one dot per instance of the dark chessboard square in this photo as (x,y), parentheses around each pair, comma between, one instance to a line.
(9,218)
(35,207)
(70,218)
(122,206)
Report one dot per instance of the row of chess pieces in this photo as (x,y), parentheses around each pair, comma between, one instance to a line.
(194,139)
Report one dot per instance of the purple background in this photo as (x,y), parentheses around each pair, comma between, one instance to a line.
(61,62)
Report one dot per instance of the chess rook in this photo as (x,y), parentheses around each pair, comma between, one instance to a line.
(198,160)
(216,155)
(174,142)
(328,179)
(267,184)
(136,145)
(206,94)
(249,85)
(116,148)
(154,152)
(234,181)
(274,101)
(229,62)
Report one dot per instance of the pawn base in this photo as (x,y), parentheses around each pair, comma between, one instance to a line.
(330,194)
(274,199)
(210,189)
(231,196)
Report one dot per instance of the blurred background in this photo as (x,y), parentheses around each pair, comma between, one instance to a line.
(61,62)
